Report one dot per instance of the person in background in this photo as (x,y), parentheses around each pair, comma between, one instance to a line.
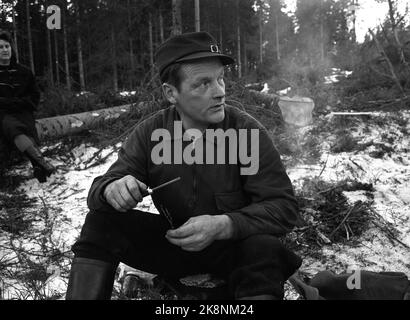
(19,97)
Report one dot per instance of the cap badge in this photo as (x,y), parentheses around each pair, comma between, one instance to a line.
(214,48)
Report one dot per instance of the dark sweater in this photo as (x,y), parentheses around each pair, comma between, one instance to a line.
(19,97)
(18,89)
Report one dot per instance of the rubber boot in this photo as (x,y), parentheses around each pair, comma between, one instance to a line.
(90,280)
(42,169)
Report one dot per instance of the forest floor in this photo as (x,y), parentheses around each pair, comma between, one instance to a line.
(351,175)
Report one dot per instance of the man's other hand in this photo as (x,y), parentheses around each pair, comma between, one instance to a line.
(125,193)
(199,232)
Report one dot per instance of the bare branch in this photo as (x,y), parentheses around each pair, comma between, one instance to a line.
(381,50)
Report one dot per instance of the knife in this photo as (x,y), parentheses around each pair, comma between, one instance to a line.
(151,191)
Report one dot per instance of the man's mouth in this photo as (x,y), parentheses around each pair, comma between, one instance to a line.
(217,106)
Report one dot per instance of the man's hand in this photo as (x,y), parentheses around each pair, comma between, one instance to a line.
(125,193)
(199,232)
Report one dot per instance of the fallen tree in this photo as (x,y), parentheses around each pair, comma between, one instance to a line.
(74,123)
(59,126)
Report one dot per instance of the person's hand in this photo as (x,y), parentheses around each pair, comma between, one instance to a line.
(125,193)
(199,232)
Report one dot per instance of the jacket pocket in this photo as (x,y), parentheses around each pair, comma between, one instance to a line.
(229,201)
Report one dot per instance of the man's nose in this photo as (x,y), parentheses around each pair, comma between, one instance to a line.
(219,90)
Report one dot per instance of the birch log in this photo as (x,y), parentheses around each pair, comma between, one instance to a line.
(74,123)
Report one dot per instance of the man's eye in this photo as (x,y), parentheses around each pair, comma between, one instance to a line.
(203,83)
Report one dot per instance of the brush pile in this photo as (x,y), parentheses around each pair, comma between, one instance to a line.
(328,214)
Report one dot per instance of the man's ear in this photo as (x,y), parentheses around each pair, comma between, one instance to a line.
(170,92)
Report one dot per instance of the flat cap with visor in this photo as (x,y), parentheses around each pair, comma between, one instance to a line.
(189,47)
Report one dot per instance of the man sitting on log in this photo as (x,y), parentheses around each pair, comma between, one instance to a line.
(223,215)
(19,97)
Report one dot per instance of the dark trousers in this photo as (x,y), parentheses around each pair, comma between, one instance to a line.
(257,265)
(12,125)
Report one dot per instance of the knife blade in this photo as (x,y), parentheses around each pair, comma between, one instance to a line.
(151,191)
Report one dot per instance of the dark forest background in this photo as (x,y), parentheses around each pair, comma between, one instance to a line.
(106,46)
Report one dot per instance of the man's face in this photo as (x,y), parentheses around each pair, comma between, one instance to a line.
(201,98)
(5,52)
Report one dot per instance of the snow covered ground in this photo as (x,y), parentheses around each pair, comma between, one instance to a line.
(60,208)
(389,174)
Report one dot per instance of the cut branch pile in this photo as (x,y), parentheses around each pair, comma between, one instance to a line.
(329,217)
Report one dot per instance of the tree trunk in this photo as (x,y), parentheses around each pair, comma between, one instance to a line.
(238,40)
(208,22)
(260,37)
(114,60)
(66,62)
(50,58)
(151,45)
(74,123)
(391,68)
(132,65)
(131,45)
(30,40)
(114,48)
(197,16)
(16,49)
(396,36)
(49,53)
(140,45)
(155,33)
(277,37)
(220,24)
(176,17)
(355,5)
(391,14)
(322,37)
(245,57)
(161,26)
(57,62)
(322,40)
(79,47)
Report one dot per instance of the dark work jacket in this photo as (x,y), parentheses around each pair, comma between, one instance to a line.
(263,203)
(19,97)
